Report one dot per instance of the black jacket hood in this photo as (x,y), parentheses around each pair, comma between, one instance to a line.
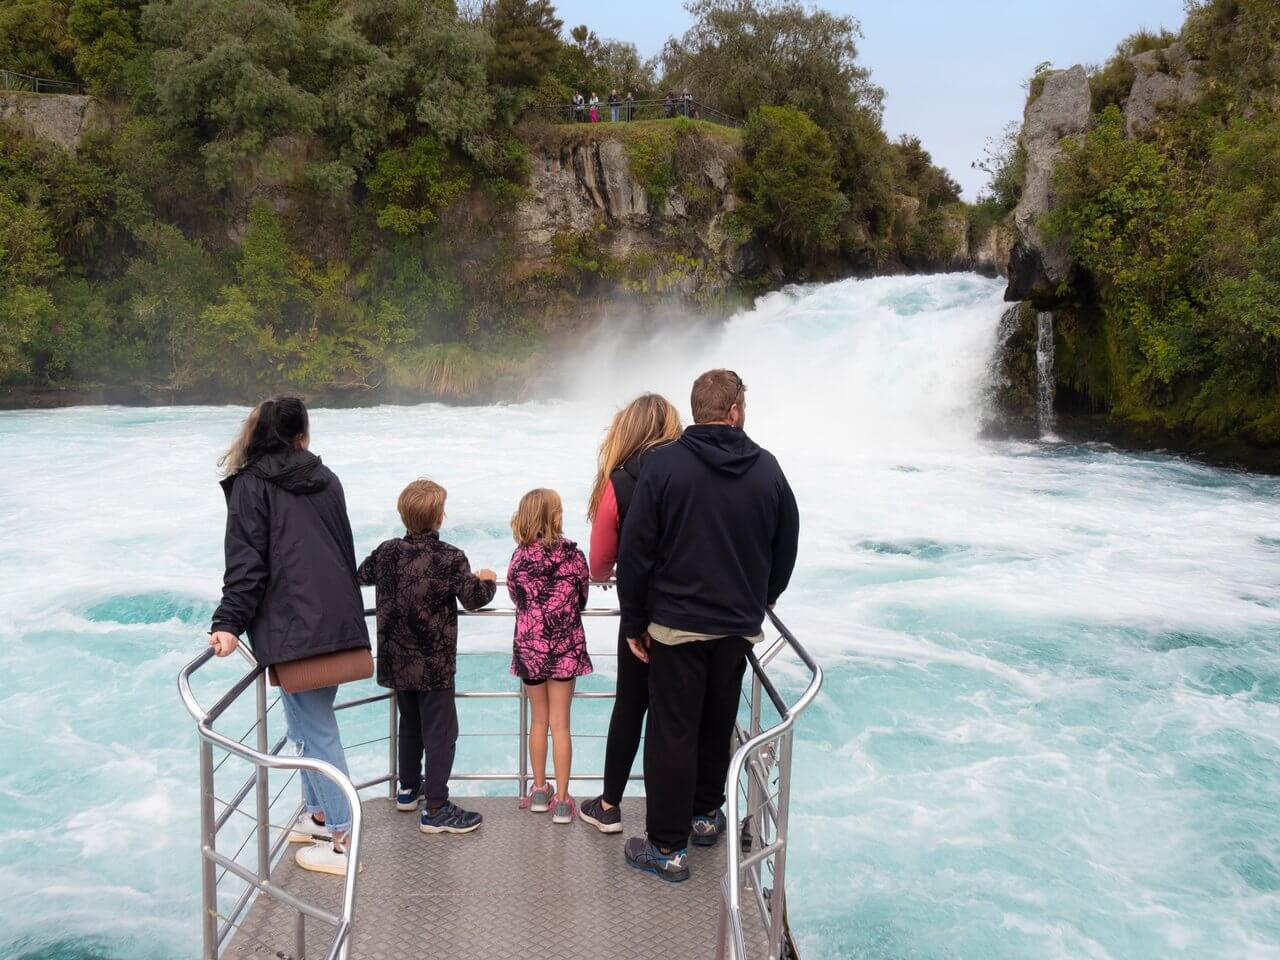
(297,471)
(722,447)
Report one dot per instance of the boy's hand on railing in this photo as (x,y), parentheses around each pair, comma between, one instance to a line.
(224,644)
(484,573)
(640,646)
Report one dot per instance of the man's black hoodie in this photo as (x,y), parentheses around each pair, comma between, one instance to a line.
(710,538)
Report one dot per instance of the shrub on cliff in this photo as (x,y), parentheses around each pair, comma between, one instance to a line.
(788,178)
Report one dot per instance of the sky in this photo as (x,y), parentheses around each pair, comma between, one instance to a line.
(952,70)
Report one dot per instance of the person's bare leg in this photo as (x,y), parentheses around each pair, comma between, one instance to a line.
(538,732)
(560,698)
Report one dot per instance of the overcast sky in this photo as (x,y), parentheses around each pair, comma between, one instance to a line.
(952,70)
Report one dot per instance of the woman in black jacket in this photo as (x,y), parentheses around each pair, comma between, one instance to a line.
(645,423)
(290,583)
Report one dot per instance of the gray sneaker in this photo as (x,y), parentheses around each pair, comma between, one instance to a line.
(539,798)
(706,829)
(564,811)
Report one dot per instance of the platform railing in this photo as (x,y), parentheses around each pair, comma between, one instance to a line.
(758,836)
(757,751)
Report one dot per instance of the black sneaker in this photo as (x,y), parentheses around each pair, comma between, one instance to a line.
(606,821)
(704,831)
(643,855)
(449,818)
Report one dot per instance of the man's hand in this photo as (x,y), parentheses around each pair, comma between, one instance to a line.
(486,574)
(224,644)
(640,646)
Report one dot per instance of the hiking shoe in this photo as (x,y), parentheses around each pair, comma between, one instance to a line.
(564,811)
(306,829)
(324,857)
(704,831)
(449,818)
(539,798)
(606,821)
(407,800)
(643,855)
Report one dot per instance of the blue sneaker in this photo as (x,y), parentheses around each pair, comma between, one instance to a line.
(407,800)
(449,818)
(643,855)
(704,831)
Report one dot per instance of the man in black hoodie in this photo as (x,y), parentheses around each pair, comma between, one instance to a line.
(708,545)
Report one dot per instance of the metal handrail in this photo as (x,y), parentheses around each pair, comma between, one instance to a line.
(262,761)
(752,744)
(25,83)
(752,755)
(648,109)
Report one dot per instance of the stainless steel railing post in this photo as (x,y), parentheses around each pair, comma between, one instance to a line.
(520,741)
(393,749)
(208,875)
(262,786)
(778,896)
(300,937)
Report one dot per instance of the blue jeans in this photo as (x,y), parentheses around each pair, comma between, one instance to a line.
(312,728)
(614,111)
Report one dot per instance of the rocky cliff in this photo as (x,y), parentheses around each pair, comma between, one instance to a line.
(62,118)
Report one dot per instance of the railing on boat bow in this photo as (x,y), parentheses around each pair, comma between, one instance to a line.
(757,840)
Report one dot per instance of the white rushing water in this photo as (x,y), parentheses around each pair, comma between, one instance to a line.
(1051,725)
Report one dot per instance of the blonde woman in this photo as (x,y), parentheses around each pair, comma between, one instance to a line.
(644,424)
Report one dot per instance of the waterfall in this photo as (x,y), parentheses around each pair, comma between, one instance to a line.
(1044,372)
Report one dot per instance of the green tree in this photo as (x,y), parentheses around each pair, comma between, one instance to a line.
(526,41)
(34,39)
(106,34)
(224,68)
(28,261)
(410,187)
(788,178)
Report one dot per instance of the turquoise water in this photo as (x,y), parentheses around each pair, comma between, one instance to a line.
(1051,724)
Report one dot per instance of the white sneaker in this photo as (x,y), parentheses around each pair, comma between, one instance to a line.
(324,857)
(306,830)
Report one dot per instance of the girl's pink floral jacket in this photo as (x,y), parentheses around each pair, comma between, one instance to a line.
(549,588)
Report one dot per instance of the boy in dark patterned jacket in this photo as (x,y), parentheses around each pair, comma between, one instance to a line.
(420,581)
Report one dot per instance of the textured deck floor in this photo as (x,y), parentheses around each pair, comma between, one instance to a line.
(518,887)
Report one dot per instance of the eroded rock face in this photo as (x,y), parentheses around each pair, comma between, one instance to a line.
(1061,110)
(990,253)
(1163,78)
(62,118)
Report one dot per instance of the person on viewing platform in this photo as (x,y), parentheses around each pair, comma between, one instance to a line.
(548,582)
(419,581)
(686,103)
(669,105)
(613,106)
(290,586)
(644,424)
(578,107)
(630,106)
(708,546)
(595,107)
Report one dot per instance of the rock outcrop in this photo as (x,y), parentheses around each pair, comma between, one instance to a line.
(1061,110)
(59,117)
(1162,78)
(590,186)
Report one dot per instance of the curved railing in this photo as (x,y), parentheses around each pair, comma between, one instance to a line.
(757,840)
(25,83)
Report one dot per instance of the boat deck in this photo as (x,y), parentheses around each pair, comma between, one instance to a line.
(519,887)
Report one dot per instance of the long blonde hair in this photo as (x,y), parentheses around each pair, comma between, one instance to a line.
(646,422)
(539,517)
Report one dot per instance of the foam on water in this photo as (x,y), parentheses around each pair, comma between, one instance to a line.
(1052,719)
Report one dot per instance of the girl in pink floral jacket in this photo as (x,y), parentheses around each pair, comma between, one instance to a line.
(548,581)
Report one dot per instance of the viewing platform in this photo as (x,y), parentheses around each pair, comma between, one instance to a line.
(519,886)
